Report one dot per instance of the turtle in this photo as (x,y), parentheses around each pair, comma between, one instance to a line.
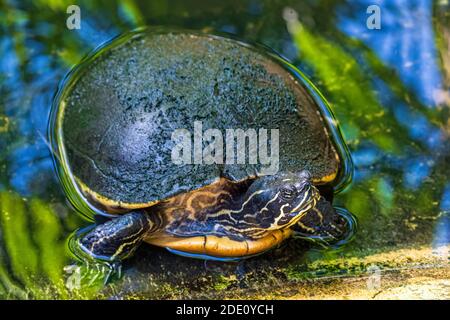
(114,125)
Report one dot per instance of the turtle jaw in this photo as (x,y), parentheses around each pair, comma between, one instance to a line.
(301,210)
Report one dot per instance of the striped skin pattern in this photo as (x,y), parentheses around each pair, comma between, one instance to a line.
(228,220)
(223,209)
(223,220)
(118,238)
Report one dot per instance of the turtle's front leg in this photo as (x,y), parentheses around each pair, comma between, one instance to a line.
(118,238)
(322,222)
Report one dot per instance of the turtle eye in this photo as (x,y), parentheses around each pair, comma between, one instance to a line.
(288,193)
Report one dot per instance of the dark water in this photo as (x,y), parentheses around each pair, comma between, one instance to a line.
(388,88)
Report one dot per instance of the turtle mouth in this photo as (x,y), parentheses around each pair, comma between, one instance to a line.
(299,212)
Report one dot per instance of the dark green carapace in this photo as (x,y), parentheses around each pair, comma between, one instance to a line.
(120,114)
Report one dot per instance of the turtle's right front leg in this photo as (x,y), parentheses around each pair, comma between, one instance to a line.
(118,238)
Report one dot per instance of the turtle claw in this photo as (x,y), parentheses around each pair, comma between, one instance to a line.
(328,227)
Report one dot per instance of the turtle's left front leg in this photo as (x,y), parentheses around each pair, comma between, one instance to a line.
(118,238)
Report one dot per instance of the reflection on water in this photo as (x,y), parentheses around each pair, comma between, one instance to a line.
(406,44)
(388,88)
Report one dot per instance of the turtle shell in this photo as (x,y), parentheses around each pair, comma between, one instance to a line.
(119,109)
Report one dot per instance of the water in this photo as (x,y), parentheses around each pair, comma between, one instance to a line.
(388,88)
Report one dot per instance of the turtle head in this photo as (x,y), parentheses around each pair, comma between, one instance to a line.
(279,201)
